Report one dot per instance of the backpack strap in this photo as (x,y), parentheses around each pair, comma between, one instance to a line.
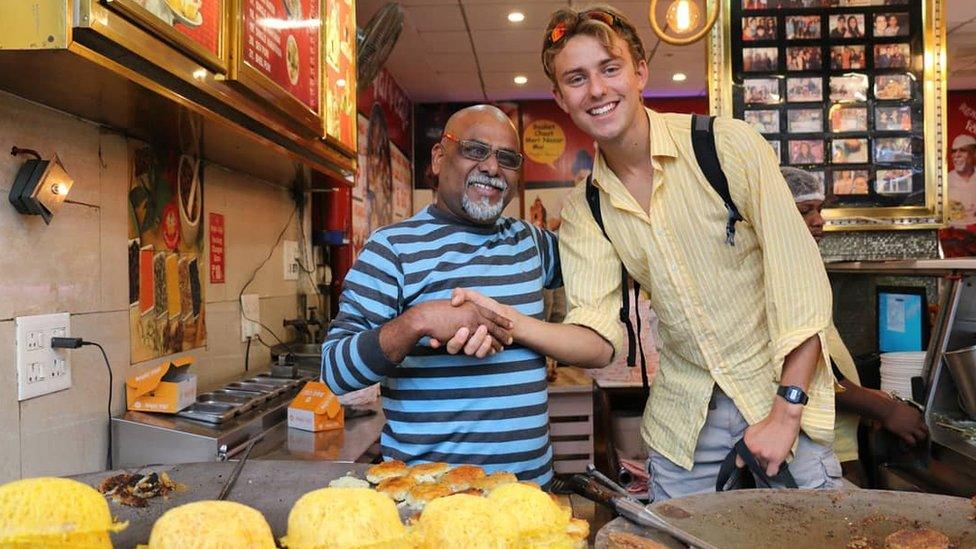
(703,141)
(633,333)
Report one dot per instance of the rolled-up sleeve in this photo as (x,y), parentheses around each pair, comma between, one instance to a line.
(591,272)
(797,290)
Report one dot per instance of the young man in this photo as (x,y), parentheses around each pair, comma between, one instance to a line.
(395,306)
(740,324)
(854,401)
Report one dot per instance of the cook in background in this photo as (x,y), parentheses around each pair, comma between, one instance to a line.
(395,316)
(853,401)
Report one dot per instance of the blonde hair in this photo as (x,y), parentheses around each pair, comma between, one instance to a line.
(576,25)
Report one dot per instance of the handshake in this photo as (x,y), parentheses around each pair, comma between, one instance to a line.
(469,322)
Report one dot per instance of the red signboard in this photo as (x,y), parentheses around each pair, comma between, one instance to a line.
(216,248)
(202,22)
(281,40)
(340,64)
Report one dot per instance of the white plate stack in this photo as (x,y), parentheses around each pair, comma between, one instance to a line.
(897,371)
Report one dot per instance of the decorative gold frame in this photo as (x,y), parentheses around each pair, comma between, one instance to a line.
(934,90)
(267,89)
(217,63)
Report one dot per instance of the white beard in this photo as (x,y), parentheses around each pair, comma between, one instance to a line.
(482,210)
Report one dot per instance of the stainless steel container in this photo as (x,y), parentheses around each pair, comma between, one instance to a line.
(962,366)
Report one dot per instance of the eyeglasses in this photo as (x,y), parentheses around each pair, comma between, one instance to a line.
(559,31)
(479,152)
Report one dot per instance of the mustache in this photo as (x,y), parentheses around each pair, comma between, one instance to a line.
(484,179)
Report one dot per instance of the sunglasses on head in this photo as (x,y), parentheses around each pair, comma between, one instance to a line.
(480,151)
(559,31)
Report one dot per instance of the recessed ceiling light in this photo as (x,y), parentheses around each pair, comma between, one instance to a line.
(516,17)
(679,77)
(520,80)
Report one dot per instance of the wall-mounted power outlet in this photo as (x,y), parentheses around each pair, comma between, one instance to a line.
(250,316)
(41,369)
(289,254)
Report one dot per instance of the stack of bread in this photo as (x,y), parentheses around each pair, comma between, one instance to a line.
(461,507)
(211,525)
(53,513)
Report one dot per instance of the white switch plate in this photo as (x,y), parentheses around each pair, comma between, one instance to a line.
(289,254)
(41,369)
(250,308)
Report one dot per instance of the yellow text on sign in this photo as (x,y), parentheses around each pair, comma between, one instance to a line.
(543,141)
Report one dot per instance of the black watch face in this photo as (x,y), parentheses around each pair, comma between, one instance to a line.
(793,394)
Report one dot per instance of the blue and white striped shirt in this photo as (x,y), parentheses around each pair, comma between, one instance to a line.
(457,409)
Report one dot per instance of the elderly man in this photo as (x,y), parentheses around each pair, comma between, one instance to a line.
(854,401)
(395,316)
(962,182)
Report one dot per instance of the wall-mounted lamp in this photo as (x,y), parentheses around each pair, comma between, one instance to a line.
(682,18)
(40,186)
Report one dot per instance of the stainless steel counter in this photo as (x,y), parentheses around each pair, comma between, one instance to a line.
(357,442)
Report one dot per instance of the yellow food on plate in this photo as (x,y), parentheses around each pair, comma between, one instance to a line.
(428,472)
(534,512)
(422,494)
(343,518)
(461,520)
(396,487)
(494,480)
(211,525)
(388,469)
(54,512)
(461,477)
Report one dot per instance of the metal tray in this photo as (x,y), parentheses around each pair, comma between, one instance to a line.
(242,403)
(210,412)
(262,388)
(265,379)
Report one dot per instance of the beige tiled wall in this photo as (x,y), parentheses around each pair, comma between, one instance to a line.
(78,264)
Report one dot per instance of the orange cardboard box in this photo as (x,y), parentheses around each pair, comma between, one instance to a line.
(167,388)
(316,409)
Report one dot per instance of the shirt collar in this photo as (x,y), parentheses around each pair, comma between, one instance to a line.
(661,144)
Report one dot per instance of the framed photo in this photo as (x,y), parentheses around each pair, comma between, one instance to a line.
(847,57)
(755,4)
(806,151)
(758,28)
(761,90)
(760,59)
(890,24)
(849,182)
(850,87)
(848,3)
(848,119)
(803,58)
(892,56)
(804,120)
(845,25)
(893,118)
(892,86)
(888,182)
(802,27)
(849,151)
(893,149)
(804,89)
(775,146)
(765,121)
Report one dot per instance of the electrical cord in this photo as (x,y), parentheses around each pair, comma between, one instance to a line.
(74,343)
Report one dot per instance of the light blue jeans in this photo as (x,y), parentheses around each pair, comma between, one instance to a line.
(814,466)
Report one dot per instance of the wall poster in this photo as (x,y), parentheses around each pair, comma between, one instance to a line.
(340,68)
(959,237)
(166,252)
(195,26)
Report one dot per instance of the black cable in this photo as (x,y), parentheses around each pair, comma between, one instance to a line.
(108,367)
(247,354)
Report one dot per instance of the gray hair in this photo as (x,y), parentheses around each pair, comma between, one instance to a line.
(804,185)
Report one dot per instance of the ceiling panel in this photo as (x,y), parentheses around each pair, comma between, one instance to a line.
(435,18)
(445,42)
(514,62)
(495,16)
(504,41)
(449,62)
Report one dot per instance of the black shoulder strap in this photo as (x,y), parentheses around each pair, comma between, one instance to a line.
(703,141)
(633,332)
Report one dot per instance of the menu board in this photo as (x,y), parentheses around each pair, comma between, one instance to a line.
(281,41)
(836,88)
(196,26)
(340,67)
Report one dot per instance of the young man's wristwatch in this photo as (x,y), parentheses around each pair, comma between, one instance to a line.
(793,394)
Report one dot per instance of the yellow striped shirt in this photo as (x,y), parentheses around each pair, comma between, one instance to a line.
(845,429)
(727,314)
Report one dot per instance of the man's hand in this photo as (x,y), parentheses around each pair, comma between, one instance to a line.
(772,438)
(479,343)
(905,422)
(443,321)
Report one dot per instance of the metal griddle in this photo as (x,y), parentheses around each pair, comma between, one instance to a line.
(271,487)
(801,519)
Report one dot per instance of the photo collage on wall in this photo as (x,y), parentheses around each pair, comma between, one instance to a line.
(835,87)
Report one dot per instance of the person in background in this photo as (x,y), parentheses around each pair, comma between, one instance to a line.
(853,28)
(741,326)
(853,401)
(840,30)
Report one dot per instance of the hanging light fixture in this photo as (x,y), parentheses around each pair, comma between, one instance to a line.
(683,18)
